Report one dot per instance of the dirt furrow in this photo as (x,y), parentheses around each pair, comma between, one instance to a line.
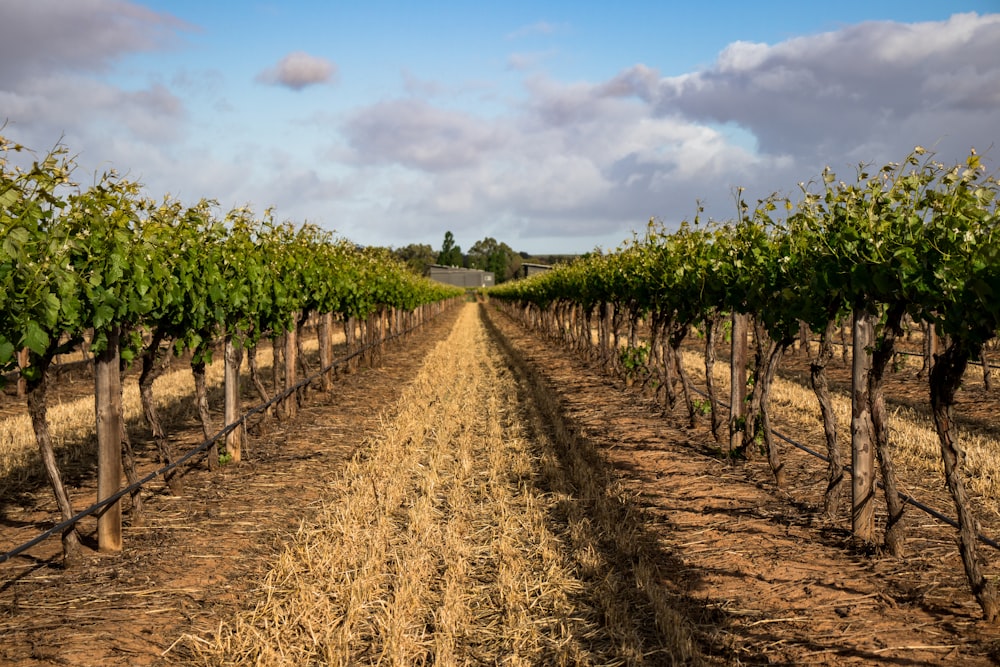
(455,536)
(196,560)
(761,577)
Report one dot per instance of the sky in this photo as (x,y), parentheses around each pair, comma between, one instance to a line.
(555,127)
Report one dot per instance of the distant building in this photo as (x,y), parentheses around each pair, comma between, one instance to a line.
(528,269)
(452,275)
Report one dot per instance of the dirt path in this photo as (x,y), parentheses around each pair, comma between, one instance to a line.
(462,534)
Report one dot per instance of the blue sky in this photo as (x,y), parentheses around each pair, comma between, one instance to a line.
(555,127)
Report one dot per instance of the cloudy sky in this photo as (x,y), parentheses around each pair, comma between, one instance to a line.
(555,127)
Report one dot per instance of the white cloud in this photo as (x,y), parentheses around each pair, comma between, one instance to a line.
(589,159)
(873,83)
(521,62)
(53,56)
(537,28)
(414,134)
(573,160)
(41,36)
(298,70)
(742,56)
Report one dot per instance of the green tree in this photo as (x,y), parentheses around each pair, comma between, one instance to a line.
(499,258)
(418,256)
(481,253)
(451,254)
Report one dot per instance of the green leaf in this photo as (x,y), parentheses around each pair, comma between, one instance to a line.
(14,239)
(50,309)
(99,342)
(35,338)
(6,351)
(103,315)
(8,198)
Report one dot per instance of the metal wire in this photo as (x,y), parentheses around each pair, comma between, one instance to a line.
(910,500)
(201,447)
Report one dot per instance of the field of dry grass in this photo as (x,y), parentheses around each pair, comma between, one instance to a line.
(912,435)
(451,538)
(71,422)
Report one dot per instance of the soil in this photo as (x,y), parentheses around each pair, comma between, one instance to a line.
(196,558)
(758,574)
(762,575)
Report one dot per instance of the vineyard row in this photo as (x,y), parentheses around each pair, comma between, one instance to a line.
(912,241)
(285,400)
(145,278)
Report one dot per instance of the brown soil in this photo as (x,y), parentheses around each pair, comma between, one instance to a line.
(196,559)
(764,578)
(757,572)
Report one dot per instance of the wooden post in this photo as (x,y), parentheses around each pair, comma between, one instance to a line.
(737,382)
(326,349)
(22,363)
(107,403)
(234,439)
(290,407)
(804,335)
(862,430)
(350,329)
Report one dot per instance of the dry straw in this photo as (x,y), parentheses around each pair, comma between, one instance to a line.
(446,541)
(912,436)
(72,423)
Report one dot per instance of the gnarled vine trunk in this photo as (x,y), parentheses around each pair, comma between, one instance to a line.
(881,357)
(946,377)
(154,362)
(255,378)
(821,387)
(36,391)
(758,422)
(277,361)
(128,454)
(300,328)
(711,333)
(326,350)
(350,325)
(201,401)
(677,335)
(987,371)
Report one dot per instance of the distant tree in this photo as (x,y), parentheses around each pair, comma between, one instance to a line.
(418,256)
(499,258)
(514,262)
(451,254)
(480,253)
